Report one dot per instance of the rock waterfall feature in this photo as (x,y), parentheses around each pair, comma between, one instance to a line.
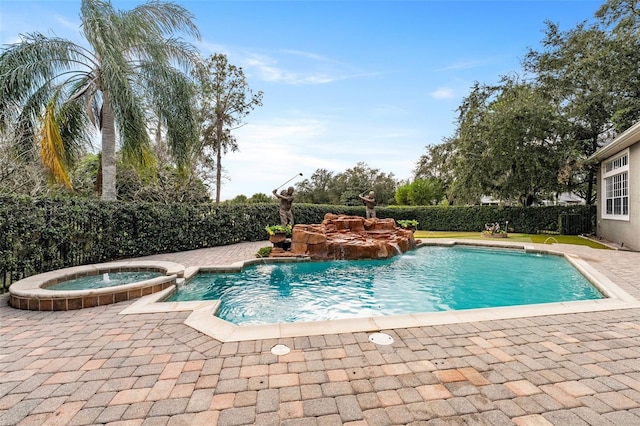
(349,237)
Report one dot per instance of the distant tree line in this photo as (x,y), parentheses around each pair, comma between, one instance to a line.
(326,187)
(529,137)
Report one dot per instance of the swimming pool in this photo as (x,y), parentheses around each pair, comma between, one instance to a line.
(429,279)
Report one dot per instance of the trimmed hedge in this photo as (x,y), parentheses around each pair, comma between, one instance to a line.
(41,235)
(527,220)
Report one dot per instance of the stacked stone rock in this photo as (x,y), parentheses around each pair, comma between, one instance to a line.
(350,238)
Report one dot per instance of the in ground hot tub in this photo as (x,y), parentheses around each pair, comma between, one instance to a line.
(46,292)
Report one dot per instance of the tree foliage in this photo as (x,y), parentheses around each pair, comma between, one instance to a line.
(257,198)
(510,143)
(260,197)
(592,73)
(437,163)
(425,192)
(420,192)
(224,100)
(19,175)
(127,74)
(315,190)
(343,188)
(530,139)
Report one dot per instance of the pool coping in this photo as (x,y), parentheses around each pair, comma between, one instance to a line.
(203,319)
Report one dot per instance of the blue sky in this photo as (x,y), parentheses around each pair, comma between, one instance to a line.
(344,81)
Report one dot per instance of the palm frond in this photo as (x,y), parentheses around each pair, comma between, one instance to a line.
(173,94)
(163,18)
(37,61)
(73,124)
(52,150)
(126,104)
(178,52)
(30,72)
(26,125)
(98,26)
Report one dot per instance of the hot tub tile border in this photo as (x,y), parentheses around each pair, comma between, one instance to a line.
(31,293)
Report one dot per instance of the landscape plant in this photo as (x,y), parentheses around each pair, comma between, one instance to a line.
(264,252)
(342,189)
(279,229)
(53,91)
(408,223)
(39,235)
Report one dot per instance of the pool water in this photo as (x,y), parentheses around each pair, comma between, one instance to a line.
(110,279)
(429,279)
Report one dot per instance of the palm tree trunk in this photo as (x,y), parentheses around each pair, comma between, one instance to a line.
(108,130)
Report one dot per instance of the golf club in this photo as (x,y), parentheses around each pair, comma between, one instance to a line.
(299,174)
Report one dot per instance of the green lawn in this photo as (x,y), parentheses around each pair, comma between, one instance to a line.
(519,238)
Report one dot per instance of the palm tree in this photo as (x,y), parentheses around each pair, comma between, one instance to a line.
(135,71)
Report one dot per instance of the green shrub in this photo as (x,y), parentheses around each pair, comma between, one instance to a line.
(264,251)
(408,223)
(528,220)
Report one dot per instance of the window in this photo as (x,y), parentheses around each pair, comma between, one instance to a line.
(615,184)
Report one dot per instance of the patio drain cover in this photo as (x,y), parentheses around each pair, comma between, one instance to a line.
(380,339)
(280,350)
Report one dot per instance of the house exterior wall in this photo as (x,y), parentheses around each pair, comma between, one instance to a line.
(623,232)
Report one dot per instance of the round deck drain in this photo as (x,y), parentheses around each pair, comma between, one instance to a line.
(280,349)
(380,339)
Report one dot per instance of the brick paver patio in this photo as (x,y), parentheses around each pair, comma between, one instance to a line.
(96,366)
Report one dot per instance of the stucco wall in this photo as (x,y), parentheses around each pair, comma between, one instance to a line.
(626,233)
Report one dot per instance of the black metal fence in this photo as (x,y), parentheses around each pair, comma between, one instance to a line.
(576,224)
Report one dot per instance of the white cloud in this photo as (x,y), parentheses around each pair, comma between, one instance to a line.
(282,129)
(465,65)
(268,69)
(209,48)
(65,23)
(14,40)
(286,66)
(308,55)
(443,93)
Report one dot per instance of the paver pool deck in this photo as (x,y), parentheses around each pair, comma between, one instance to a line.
(99,366)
